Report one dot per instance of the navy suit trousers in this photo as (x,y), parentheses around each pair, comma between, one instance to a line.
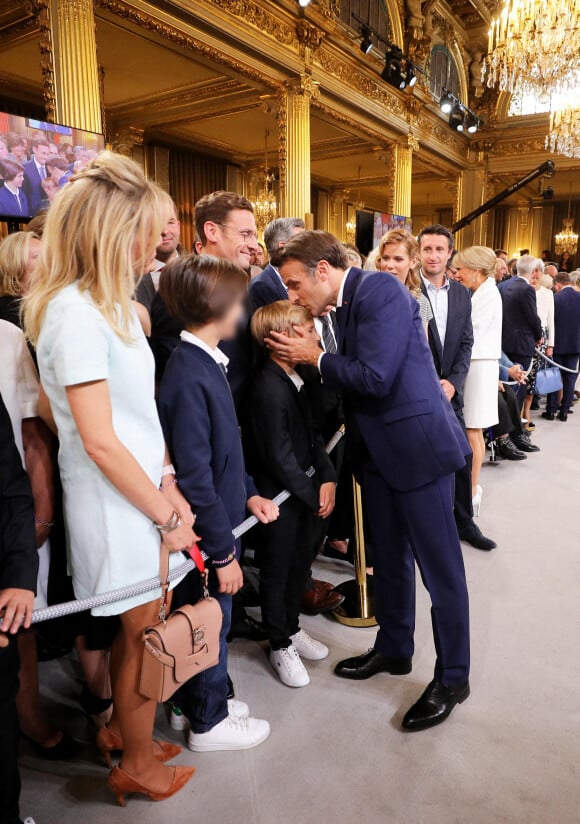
(568,384)
(418,526)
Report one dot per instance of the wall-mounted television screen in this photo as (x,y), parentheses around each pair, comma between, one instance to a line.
(384,222)
(36,160)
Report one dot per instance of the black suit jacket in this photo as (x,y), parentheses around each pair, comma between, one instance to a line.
(283,441)
(452,360)
(266,288)
(567,321)
(18,555)
(521,327)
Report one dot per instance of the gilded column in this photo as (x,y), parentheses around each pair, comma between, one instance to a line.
(74,58)
(295,188)
(403,171)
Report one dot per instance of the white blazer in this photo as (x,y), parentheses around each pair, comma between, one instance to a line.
(545,303)
(486,317)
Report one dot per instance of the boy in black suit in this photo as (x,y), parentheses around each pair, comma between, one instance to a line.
(18,571)
(284,444)
(206,295)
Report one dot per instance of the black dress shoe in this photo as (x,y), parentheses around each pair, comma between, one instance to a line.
(472,534)
(370,663)
(249,629)
(65,750)
(549,416)
(509,451)
(562,416)
(535,404)
(435,705)
(524,443)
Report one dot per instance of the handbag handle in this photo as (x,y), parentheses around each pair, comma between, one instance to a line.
(197,558)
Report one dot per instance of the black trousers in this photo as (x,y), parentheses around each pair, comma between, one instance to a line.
(510,421)
(10,780)
(285,558)
(463,498)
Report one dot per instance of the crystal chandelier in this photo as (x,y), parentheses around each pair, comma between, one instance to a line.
(564,135)
(567,239)
(533,47)
(265,205)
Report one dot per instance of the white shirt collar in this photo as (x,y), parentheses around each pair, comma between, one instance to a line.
(296,380)
(340,297)
(428,283)
(158,265)
(218,356)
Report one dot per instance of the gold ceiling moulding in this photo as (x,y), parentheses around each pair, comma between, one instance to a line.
(258,16)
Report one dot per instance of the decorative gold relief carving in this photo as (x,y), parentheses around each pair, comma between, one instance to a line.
(309,39)
(328,8)
(125,140)
(46,59)
(518,147)
(282,120)
(257,16)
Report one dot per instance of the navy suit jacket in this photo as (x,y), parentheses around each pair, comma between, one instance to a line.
(521,325)
(201,431)
(266,288)
(33,187)
(567,322)
(394,401)
(453,359)
(9,204)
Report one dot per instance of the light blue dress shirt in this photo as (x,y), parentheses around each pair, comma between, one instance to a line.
(439,299)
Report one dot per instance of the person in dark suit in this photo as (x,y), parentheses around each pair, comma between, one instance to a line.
(521,326)
(199,422)
(566,345)
(268,286)
(406,445)
(450,336)
(284,444)
(18,571)
(13,202)
(34,173)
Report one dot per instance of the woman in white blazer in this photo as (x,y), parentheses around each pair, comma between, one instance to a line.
(476,270)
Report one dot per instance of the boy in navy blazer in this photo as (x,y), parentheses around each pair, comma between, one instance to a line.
(196,409)
(406,445)
(566,343)
(283,445)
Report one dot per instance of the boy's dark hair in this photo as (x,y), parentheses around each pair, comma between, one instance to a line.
(57,161)
(437,229)
(9,169)
(216,207)
(198,289)
(311,247)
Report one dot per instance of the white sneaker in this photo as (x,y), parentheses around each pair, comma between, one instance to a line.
(29,821)
(177,720)
(308,647)
(289,668)
(238,709)
(232,733)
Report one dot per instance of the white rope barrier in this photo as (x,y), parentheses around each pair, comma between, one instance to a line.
(553,363)
(72,607)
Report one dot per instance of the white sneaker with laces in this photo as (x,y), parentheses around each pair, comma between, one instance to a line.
(308,647)
(233,733)
(177,720)
(288,667)
(238,709)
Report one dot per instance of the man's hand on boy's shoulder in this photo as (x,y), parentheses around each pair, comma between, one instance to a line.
(300,349)
(16,607)
(264,509)
(327,494)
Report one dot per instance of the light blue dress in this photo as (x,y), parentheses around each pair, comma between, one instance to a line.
(111,543)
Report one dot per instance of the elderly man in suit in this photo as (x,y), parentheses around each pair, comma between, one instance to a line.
(394,404)
(450,336)
(521,327)
(566,345)
(34,173)
(268,286)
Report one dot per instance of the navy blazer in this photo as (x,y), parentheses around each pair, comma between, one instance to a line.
(201,431)
(567,322)
(284,442)
(33,187)
(266,288)
(521,327)
(9,204)
(452,361)
(394,399)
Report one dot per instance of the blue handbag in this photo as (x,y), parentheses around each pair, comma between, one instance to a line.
(548,380)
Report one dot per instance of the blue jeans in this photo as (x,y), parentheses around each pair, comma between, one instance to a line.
(203,699)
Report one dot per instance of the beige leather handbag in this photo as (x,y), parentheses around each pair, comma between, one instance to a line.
(183,644)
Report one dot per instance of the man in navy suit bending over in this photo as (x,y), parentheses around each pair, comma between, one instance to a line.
(406,445)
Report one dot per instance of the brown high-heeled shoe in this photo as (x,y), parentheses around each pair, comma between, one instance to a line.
(109,741)
(121,783)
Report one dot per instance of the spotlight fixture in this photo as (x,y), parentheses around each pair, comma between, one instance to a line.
(303,3)
(366,42)
(472,122)
(446,102)
(457,118)
(393,73)
(411,75)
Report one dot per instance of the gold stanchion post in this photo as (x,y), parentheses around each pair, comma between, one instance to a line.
(357,609)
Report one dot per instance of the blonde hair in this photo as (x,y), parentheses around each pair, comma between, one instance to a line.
(280,316)
(398,237)
(93,229)
(476,258)
(14,252)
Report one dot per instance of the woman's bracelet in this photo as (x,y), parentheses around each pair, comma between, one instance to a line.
(231,557)
(172,524)
(169,483)
(47,524)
